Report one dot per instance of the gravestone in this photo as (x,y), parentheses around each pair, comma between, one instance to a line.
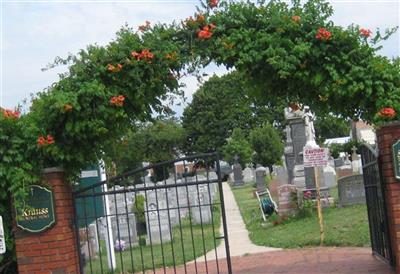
(302,177)
(172,205)
(157,221)
(248,175)
(287,200)
(351,190)
(94,237)
(329,177)
(281,175)
(260,178)
(88,243)
(124,228)
(201,209)
(289,155)
(339,162)
(347,159)
(355,165)
(331,162)
(237,173)
(182,200)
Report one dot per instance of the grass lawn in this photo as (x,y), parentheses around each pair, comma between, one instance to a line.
(346,226)
(162,255)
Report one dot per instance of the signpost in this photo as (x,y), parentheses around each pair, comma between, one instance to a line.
(38,212)
(89,210)
(2,240)
(396,159)
(316,157)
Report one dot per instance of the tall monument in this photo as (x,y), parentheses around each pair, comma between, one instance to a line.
(300,133)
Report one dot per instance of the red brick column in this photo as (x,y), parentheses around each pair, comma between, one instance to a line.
(387,136)
(53,251)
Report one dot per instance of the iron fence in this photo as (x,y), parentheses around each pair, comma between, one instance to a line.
(167,217)
(375,199)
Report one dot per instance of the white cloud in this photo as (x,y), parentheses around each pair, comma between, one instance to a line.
(35,33)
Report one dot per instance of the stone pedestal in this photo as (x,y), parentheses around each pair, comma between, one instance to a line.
(53,250)
(299,179)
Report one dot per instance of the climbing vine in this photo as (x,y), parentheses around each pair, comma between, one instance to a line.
(291,51)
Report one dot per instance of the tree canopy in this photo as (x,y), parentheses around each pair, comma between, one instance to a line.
(237,145)
(151,142)
(267,145)
(219,106)
(330,126)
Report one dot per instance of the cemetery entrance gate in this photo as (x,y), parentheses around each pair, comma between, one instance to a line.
(166,217)
(375,199)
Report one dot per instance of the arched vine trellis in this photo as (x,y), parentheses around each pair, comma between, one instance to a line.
(289,51)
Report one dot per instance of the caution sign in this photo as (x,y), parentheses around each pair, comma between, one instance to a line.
(314,157)
(2,240)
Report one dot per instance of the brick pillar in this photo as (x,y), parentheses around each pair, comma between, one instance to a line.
(387,136)
(53,251)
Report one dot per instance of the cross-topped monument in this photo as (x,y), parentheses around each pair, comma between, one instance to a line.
(237,172)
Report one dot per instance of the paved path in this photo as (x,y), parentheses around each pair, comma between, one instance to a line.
(239,241)
(248,258)
(318,260)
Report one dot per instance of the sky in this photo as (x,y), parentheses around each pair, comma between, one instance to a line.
(33,33)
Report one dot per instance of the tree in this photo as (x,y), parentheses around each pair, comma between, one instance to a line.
(267,144)
(330,126)
(237,145)
(153,142)
(219,106)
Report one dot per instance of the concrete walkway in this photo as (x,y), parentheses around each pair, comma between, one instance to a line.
(238,236)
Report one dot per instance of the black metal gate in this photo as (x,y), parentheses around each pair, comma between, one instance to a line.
(164,218)
(375,198)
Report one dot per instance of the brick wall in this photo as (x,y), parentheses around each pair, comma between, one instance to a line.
(53,251)
(387,136)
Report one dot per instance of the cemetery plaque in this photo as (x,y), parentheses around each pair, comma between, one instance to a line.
(396,159)
(38,213)
(2,240)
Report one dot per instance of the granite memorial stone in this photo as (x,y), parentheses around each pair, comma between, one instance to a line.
(237,173)
(351,190)
(260,178)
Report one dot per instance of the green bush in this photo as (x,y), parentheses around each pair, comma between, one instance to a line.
(138,209)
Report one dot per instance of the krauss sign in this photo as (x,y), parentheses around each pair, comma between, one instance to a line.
(38,212)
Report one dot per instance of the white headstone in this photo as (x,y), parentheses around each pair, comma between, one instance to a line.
(2,240)
(201,206)
(248,175)
(157,221)
(329,175)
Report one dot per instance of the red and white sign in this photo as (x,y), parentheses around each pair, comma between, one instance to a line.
(314,157)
